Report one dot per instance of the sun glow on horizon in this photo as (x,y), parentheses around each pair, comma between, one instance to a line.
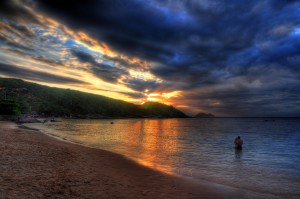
(165,98)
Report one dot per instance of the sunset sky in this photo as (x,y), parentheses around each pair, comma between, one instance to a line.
(226,57)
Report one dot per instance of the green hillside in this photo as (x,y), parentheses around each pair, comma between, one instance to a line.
(24,97)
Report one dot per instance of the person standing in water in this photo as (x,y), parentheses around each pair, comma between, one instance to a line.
(238,142)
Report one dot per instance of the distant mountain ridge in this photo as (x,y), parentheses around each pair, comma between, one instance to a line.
(51,101)
(201,114)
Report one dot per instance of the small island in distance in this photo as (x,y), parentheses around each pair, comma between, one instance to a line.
(18,97)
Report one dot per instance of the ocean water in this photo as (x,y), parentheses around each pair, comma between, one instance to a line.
(201,148)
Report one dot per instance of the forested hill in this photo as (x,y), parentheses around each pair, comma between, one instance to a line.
(24,97)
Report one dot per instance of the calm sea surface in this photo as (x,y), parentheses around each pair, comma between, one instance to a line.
(201,148)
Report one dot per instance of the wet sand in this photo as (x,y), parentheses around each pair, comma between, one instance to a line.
(35,165)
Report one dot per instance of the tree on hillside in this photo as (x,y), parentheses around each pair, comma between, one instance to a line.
(9,107)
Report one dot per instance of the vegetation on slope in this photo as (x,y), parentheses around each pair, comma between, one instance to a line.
(29,97)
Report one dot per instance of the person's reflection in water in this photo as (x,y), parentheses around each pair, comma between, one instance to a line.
(238,153)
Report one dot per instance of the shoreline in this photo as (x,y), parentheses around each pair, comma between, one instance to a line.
(38,165)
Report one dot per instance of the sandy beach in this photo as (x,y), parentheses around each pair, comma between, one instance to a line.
(35,165)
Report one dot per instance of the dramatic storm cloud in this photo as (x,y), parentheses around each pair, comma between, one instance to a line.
(230,58)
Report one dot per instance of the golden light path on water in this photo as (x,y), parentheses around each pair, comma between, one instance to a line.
(146,134)
(152,131)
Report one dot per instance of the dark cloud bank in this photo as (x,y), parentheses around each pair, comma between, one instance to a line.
(243,54)
(104,71)
(20,72)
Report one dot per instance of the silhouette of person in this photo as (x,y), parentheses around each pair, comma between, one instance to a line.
(238,142)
